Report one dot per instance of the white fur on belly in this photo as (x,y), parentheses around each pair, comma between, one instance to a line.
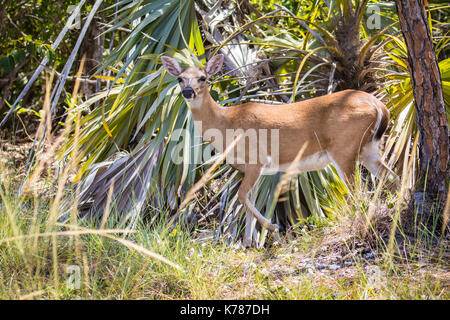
(313,162)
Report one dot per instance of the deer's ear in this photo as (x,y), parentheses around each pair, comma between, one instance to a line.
(171,66)
(214,65)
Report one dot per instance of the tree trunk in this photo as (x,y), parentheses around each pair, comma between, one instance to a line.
(92,48)
(429,100)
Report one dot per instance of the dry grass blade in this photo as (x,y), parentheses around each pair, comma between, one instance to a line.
(191,194)
(107,233)
(65,233)
(144,251)
(32,295)
(446,213)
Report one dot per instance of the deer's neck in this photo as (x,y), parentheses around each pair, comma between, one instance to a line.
(206,110)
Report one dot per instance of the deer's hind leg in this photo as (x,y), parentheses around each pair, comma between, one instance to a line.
(370,158)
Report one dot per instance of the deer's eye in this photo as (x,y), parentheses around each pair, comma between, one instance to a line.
(180,80)
(202,78)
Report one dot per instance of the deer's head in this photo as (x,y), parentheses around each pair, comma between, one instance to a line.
(192,80)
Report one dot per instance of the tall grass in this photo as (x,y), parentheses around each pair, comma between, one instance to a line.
(34,247)
(328,260)
(36,262)
(361,252)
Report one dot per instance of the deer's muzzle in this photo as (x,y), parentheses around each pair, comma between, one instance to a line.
(188,93)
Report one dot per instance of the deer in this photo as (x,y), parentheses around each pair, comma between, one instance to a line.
(340,128)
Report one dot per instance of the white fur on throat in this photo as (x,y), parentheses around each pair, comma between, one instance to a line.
(195,103)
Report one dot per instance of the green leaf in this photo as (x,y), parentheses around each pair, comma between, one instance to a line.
(18,56)
(7,63)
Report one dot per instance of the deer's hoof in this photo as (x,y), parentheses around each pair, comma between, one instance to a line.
(278,228)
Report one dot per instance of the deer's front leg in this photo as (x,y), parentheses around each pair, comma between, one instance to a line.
(249,228)
(252,173)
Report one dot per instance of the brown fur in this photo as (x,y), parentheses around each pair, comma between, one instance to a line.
(340,124)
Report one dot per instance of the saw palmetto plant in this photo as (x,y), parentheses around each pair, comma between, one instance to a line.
(274,54)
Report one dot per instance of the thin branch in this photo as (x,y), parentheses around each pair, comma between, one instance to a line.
(2,12)
(330,80)
(38,71)
(12,78)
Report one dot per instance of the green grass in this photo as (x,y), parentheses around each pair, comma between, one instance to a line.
(36,267)
(331,259)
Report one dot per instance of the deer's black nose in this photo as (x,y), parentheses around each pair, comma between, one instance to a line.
(188,93)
